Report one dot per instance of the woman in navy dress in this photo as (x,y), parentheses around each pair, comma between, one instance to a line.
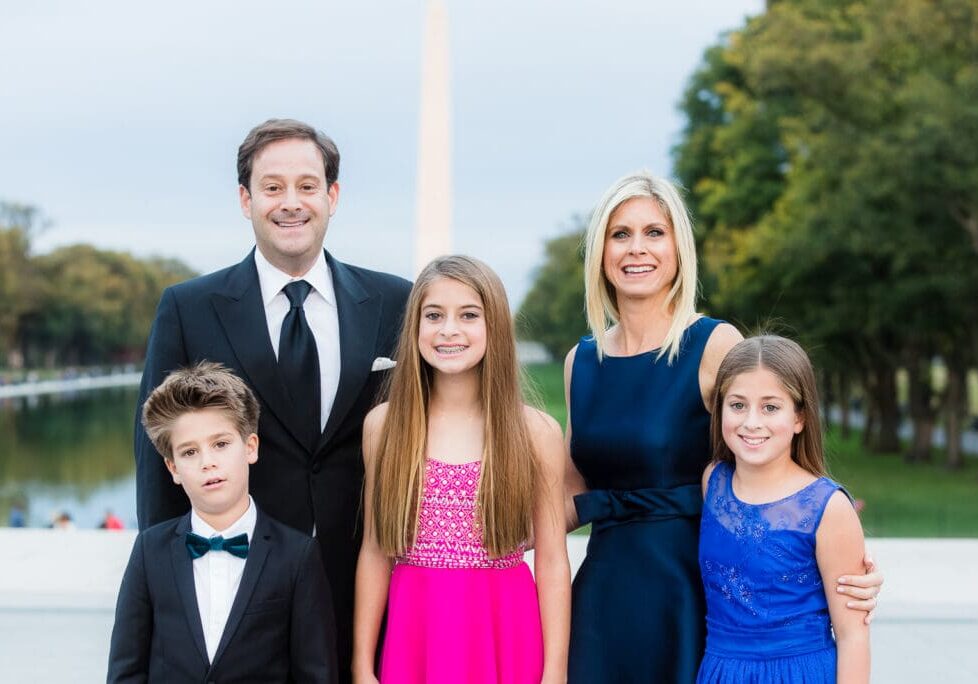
(638,434)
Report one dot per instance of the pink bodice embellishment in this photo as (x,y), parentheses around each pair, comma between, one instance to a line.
(449,531)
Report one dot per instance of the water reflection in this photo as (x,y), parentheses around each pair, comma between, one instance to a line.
(69,452)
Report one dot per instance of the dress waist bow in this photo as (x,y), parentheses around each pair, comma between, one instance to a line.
(607,507)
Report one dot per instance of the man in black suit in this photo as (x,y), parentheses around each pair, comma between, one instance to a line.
(312,337)
(223,593)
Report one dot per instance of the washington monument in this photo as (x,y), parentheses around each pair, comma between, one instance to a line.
(433,230)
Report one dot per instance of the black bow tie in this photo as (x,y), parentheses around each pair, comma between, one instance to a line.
(198,546)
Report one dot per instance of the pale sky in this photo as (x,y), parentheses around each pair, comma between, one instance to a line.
(121,120)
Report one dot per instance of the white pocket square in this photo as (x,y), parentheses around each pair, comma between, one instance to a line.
(382,363)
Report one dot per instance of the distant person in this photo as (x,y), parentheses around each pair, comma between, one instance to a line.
(776,532)
(63,521)
(111,522)
(639,393)
(252,591)
(17,518)
(309,334)
(459,472)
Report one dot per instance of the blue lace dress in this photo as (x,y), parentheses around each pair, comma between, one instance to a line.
(767,619)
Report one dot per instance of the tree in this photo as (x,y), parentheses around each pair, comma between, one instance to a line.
(95,306)
(552,313)
(884,91)
(824,153)
(18,224)
(78,304)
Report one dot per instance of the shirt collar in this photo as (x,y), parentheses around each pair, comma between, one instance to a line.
(245,524)
(272,280)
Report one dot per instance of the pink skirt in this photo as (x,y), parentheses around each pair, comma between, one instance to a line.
(464,626)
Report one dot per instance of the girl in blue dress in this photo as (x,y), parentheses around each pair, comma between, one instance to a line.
(775,531)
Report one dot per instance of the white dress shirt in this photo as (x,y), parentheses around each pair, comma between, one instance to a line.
(217,576)
(320,308)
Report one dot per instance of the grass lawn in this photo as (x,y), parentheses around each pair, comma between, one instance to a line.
(906,499)
(901,499)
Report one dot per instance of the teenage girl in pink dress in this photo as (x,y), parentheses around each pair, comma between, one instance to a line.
(459,474)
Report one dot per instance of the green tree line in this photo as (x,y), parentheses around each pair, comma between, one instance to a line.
(831,169)
(76,305)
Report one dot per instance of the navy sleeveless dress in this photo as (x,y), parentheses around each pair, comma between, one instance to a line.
(767,618)
(640,437)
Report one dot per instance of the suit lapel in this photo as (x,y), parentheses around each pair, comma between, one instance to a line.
(258,548)
(358,313)
(241,312)
(183,573)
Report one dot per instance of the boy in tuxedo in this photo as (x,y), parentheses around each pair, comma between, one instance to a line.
(224,593)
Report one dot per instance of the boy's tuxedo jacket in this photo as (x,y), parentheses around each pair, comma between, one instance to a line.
(280,628)
(221,317)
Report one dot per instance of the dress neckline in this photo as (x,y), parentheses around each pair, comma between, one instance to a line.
(655,350)
(447,463)
(733,494)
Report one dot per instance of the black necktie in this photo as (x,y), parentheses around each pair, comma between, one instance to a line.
(299,361)
(198,546)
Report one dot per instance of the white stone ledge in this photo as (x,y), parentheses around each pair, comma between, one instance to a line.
(79,384)
(80,570)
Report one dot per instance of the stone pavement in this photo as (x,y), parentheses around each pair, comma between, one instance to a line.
(57,595)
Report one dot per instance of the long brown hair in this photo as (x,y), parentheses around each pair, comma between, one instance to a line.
(508,475)
(790,364)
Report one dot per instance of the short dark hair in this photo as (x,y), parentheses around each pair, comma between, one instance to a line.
(201,386)
(274,130)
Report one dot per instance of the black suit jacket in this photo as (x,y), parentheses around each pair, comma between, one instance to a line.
(280,628)
(221,317)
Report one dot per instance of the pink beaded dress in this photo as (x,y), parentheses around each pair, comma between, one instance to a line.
(454,614)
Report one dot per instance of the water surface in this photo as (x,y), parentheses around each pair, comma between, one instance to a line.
(69,452)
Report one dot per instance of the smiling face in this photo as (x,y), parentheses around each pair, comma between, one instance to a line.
(639,257)
(759,418)
(210,460)
(452,329)
(289,203)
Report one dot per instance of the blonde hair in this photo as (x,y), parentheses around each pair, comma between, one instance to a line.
(509,474)
(790,364)
(600,299)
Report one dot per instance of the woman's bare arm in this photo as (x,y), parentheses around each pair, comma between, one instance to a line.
(550,564)
(573,482)
(722,340)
